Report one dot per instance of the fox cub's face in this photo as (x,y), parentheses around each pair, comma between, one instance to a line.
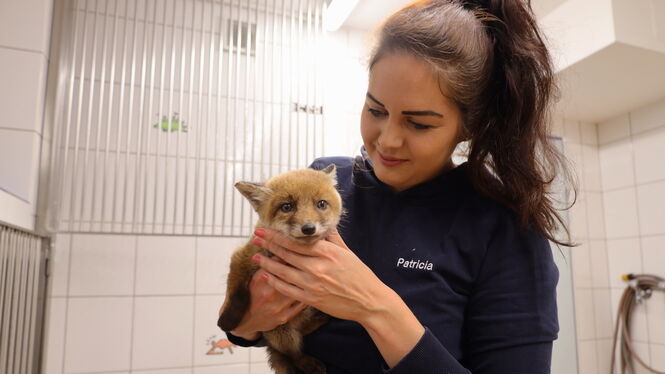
(302,204)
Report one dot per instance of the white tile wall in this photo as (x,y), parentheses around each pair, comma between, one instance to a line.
(19,160)
(616,162)
(23,76)
(649,155)
(98,334)
(621,213)
(633,201)
(26,24)
(213,258)
(162,333)
(54,335)
(651,208)
(165,265)
(615,129)
(102,265)
(24,36)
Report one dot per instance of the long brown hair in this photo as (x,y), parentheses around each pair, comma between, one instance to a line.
(492,59)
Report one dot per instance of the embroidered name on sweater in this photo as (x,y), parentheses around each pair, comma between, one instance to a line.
(414,264)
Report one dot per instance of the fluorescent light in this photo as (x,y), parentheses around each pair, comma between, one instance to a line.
(337,12)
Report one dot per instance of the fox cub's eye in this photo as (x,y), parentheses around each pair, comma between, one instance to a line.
(322,204)
(286,207)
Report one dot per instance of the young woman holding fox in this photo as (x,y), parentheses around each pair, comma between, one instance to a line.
(436,268)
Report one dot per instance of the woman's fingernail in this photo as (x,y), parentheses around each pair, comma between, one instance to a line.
(256,258)
(257,241)
(260,232)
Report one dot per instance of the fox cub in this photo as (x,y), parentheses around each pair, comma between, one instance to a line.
(304,205)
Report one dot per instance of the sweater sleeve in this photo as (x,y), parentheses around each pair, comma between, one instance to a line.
(240,342)
(511,314)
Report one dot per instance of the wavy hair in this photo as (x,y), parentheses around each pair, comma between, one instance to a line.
(492,60)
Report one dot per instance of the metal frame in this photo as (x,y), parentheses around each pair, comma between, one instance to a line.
(127,62)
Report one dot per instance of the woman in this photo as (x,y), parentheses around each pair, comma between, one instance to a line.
(436,268)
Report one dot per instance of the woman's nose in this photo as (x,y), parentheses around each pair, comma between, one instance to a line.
(391,135)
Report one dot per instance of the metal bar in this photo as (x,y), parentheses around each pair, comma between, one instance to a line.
(4,269)
(22,297)
(160,118)
(220,71)
(91,98)
(299,80)
(318,100)
(6,303)
(292,75)
(228,154)
(130,119)
(150,97)
(171,119)
(34,306)
(139,141)
(120,122)
(283,93)
(211,61)
(308,102)
(70,109)
(24,311)
(248,122)
(13,313)
(235,111)
(108,124)
(264,78)
(28,306)
(75,167)
(199,111)
(66,68)
(180,108)
(273,84)
(189,104)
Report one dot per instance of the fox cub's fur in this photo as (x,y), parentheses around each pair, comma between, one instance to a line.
(304,205)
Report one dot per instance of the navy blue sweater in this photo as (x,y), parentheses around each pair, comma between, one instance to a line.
(483,288)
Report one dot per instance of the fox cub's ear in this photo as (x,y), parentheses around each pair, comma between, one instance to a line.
(256,193)
(331,170)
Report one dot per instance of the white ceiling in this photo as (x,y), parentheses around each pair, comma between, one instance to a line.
(368,14)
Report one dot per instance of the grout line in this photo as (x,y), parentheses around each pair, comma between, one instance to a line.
(43,54)
(133,314)
(193,352)
(67,300)
(639,227)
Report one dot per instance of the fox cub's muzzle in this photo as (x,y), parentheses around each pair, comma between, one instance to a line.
(308,229)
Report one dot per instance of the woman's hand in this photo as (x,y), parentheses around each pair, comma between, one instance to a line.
(331,278)
(326,275)
(268,309)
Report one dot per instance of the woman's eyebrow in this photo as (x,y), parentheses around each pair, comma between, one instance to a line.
(409,112)
(422,113)
(375,100)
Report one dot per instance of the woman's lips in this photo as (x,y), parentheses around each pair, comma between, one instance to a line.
(390,161)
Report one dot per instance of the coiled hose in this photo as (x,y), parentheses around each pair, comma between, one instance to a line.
(640,288)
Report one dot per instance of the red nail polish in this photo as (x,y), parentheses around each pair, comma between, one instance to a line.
(260,232)
(264,276)
(257,242)
(256,258)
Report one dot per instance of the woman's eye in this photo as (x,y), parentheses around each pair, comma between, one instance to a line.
(420,126)
(286,207)
(376,113)
(322,204)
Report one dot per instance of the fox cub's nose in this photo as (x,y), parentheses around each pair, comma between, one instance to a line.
(308,229)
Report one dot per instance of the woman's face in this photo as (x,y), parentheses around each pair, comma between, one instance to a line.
(409,128)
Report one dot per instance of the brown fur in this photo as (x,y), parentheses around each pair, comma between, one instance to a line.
(303,189)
